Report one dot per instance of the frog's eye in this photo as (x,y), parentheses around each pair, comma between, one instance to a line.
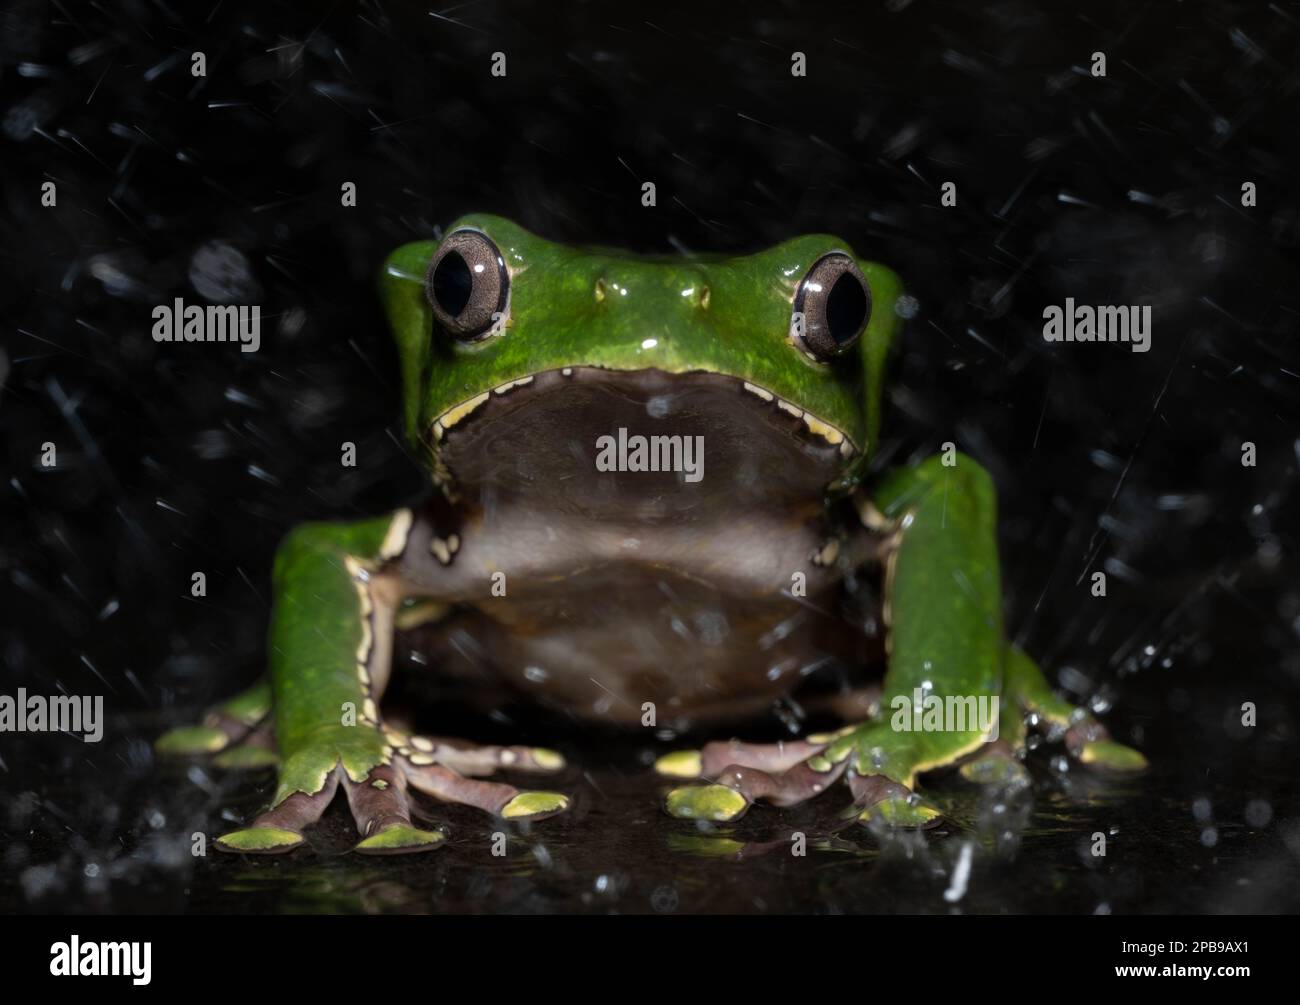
(831,307)
(468,285)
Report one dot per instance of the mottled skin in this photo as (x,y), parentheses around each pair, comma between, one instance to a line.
(598,591)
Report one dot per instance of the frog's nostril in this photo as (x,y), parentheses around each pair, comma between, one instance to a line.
(600,289)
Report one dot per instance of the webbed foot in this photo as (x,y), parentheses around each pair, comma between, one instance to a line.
(878,763)
(377,793)
(881,765)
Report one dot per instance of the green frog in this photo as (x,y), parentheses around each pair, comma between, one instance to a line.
(651,499)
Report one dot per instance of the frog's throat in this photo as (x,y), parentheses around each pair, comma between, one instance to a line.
(552,435)
(810,424)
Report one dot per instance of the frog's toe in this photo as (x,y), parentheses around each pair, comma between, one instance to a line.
(719,803)
(497,798)
(189,741)
(237,747)
(716,757)
(242,721)
(280,829)
(534,805)
(883,801)
(474,759)
(400,839)
(247,756)
(901,812)
(1092,746)
(737,786)
(680,764)
(260,841)
(382,813)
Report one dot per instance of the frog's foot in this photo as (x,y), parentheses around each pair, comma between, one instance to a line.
(379,806)
(879,763)
(1085,738)
(237,732)
(375,771)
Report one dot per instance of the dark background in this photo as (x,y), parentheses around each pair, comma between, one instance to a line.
(181,458)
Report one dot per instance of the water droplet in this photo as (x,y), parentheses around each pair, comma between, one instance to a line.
(1258,813)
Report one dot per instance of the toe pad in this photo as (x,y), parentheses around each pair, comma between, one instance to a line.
(399,839)
(191,740)
(260,840)
(534,804)
(719,803)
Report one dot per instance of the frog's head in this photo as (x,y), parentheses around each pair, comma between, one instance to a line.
(513,347)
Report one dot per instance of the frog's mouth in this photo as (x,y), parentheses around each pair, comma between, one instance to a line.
(590,438)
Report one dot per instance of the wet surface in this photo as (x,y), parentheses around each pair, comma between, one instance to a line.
(617,852)
(1194,834)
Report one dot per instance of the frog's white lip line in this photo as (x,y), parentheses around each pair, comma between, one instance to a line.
(814,425)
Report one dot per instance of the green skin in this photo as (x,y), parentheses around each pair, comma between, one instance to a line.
(339,588)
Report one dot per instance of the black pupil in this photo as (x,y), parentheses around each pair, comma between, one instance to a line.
(452,283)
(846,307)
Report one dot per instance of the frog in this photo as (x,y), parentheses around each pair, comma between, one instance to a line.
(698,590)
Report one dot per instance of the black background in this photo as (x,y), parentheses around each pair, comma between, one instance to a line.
(181,458)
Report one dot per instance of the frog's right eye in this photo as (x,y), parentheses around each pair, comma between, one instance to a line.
(468,286)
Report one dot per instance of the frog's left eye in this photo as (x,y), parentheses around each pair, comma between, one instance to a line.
(468,285)
(831,307)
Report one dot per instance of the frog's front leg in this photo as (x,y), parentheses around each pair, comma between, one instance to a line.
(337,588)
(946,650)
(942,611)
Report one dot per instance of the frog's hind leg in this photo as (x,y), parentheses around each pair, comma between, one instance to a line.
(1085,738)
(338,590)
(238,731)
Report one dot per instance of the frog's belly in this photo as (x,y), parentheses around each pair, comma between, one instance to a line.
(601,644)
